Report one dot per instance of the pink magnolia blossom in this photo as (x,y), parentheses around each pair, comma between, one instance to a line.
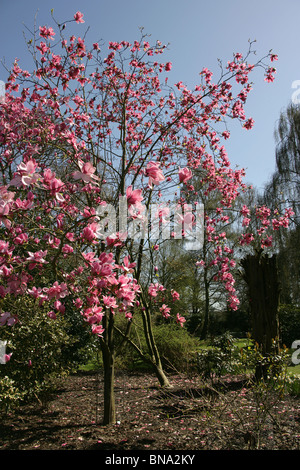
(234,302)
(6,196)
(103,265)
(36,258)
(162,213)
(165,310)
(267,242)
(8,319)
(4,247)
(21,238)
(175,295)
(93,315)
(245,211)
(200,263)
(133,196)
(128,315)
(97,330)
(109,302)
(154,173)
(246,239)
(127,290)
(155,288)
(180,319)
(185,174)
(270,74)
(25,174)
(4,212)
(57,291)
(91,232)
(7,357)
(116,239)
(186,220)
(246,221)
(78,17)
(59,306)
(56,186)
(127,266)
(67,249)
(38,293)
(137,211)
(86,172)
(52,315)
(46,32)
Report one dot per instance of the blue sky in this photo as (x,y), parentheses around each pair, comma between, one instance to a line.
(198,33)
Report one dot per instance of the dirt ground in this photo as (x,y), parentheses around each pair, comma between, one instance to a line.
(187,417)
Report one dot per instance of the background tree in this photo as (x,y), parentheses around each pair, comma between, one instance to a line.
(283,190)
(284,186)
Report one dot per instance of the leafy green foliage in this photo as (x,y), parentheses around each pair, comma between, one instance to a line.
(9,394)
(175,344)
(289,322)
(35,343)
(218,358)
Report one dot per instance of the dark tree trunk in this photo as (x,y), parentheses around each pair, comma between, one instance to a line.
(109,392)
(261,276)
(108,356)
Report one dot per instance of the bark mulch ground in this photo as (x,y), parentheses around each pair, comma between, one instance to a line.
(189,416)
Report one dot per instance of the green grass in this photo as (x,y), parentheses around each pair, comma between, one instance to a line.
(294,370)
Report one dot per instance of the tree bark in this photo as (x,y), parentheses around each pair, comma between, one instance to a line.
(153,351)
(155,364)
(109,416)
(108,356)
(161,376)
(260,274)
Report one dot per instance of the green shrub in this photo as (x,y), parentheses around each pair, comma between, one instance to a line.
(270,368)
(176,346)
(289,323)
(10,396)
(293,385)
(35,343)
(220,357)
(174,343)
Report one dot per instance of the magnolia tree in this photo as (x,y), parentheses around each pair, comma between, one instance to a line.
(97,154)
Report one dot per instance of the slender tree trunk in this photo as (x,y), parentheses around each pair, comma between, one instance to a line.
(108,356)
(155,364)
(152,348)
(148,331)
(161,376)
(109,383)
